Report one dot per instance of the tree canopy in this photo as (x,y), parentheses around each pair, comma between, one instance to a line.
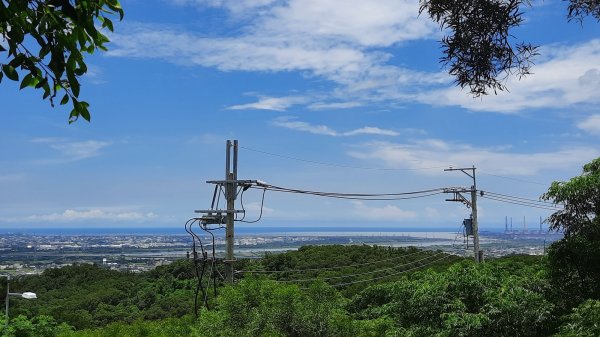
(580,197)
(479,48)
(574,261)
(44,42)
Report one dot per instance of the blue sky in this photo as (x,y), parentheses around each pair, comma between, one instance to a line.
(354,85)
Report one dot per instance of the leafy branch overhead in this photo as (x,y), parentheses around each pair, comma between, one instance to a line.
(44,42)
(479,48)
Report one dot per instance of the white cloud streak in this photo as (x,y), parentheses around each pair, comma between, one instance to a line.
(384,213)
(343,42)
(566,76)
(71,150)
(434,153)
(90,214)
(271,103)
(591,124)
(293,124)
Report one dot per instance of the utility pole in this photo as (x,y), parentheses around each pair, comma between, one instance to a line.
(477,253)
(230,195)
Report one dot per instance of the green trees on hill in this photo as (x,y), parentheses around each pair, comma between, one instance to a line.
(574,261)
(510,296)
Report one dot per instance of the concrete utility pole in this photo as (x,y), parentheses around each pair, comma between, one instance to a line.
(477,253)
(230,196)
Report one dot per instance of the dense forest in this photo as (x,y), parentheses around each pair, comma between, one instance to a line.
(509,296)
(341,290)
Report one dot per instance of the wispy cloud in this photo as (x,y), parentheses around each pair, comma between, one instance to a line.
(334,105)
(293,124)
(383,213)
(567,75)
(344,44)
(434,153)
(271,103)
(591,124)
(11,177)
(90,214)
(69,150)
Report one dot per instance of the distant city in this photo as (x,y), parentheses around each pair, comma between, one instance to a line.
(33,251)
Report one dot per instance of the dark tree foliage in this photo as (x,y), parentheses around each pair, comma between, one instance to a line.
(479,49)
(44,42)
(579,9)
(574,261)
(581,199)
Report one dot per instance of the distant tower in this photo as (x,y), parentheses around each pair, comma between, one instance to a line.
(104,261)
(505,224)
(524,225)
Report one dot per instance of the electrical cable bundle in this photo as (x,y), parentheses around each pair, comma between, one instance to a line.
(201,268)
(522,201)
(357,196)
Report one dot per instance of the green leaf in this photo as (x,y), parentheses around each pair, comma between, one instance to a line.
(73,84)
(65,99)
(108,24)
(41,83)
(10,72)
(85,113)
(27,80)
(73,116)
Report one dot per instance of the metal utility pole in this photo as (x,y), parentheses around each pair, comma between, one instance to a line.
(477,253)
(230,195)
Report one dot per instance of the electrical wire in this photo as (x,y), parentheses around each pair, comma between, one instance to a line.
(360,274)
(262,203)
(358,196)
(390,275)
(199,273)
(327,268)
(515,179)
(509,201)
(519,198)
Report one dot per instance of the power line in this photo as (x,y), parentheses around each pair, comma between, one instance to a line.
(329,268)
(360,274)
(515,179)
(509,201)
(390,275)
(342,165)
(519,198)
(357,196)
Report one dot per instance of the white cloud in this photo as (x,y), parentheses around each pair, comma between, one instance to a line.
(433,153)
(90,214)
(293,124)
(290,123)
(343,42)
(334,105)
(255,208)
(370,130)
(567,75)
(432,213)
(232,5)
(11,177)
(71,150)
(590,124)
(271,103)
(384,213)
